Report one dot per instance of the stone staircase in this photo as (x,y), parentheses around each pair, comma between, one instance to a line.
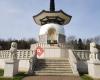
(53,67)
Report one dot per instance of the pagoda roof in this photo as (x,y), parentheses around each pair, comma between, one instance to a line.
(59,17)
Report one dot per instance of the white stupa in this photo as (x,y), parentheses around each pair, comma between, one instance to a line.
(45,28)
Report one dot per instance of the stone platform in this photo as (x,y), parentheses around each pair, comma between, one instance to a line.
(50,51)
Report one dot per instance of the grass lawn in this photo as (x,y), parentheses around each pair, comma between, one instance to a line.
(85,77)
(1,72)
(16,77)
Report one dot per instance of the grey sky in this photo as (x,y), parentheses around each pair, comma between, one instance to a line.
(16,17)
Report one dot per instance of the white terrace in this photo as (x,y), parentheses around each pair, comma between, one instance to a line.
(81,56)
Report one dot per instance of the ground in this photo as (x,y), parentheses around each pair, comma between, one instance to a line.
(21,75)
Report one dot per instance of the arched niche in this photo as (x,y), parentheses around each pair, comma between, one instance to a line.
(52,36)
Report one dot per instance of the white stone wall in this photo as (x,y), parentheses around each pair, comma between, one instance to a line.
(23,65)
(57,51)
(54,53)
(94,69)
(2,63)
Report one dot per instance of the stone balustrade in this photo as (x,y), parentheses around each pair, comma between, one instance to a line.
(5,54)
(81,54)
(44,45)
(82,57)
(26,54)
(21,54)
(73,62)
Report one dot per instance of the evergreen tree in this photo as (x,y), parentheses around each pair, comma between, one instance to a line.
(22,44)
(80,44)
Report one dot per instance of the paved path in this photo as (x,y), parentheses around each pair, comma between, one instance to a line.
(51,78)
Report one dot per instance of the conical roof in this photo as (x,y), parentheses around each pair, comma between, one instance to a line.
(52,16)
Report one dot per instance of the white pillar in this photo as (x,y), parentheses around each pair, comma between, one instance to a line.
(94,69)
(94,62)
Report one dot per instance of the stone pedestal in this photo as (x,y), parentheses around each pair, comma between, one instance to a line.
(11,68)
(94,69)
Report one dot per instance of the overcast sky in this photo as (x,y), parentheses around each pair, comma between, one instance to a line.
(16,20)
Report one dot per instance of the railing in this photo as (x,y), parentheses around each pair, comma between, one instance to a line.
(61,45)
(82,54)
(73,62)
(21,54)
(25,54)
(5,54)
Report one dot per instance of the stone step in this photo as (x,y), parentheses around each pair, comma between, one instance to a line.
(54,69)
(52,74)
(54,62)
(59,69)
(53,59)
(60,60)
(56,77)
(51,66)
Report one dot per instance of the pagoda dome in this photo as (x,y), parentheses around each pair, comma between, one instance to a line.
(45,28)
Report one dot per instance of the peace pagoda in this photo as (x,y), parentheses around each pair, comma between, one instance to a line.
(52,54)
